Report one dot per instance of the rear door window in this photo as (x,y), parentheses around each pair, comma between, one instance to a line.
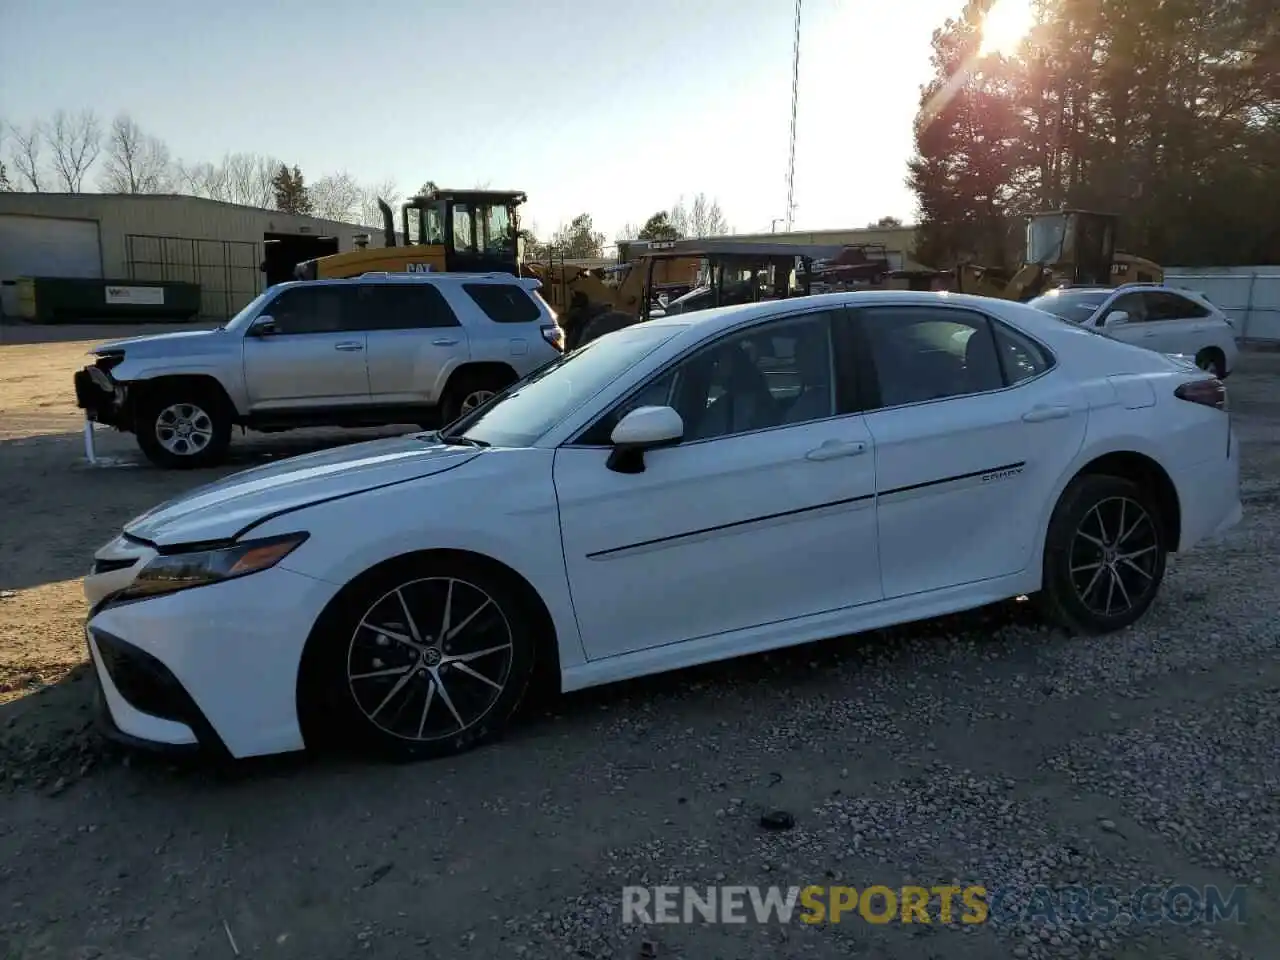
(403,306)
(1170,306)
(503,302)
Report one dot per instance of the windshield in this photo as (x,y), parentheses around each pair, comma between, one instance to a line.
(247,312)
(1072,307)
(1047,238)
(544,398)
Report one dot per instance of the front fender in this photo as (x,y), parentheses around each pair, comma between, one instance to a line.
(132,373)
(501,505)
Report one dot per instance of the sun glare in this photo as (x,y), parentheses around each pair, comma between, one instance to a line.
(1005,26)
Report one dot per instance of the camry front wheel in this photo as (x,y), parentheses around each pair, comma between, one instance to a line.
(427,659)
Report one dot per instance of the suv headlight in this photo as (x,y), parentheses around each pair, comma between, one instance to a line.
(181,570)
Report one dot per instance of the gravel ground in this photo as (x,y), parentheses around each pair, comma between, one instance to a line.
(978,749)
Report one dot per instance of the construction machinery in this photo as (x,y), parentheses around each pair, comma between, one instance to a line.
(730,272)
(1063,248)
(444,231)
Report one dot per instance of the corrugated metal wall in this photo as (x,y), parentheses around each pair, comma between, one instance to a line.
(215,244)
(1249,296)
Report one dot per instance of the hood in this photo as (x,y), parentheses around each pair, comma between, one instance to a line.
(223,510)
(682,303)
(161,341)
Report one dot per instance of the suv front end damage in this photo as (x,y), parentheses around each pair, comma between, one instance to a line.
(102,399)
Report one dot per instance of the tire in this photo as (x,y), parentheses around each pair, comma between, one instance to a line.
(161,415)
(401,698)
(1077,573)
(1212,361)
(467,390)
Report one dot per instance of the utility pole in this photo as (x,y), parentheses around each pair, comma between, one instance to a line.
(795,89)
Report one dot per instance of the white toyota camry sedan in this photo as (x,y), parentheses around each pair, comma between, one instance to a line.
(685,490)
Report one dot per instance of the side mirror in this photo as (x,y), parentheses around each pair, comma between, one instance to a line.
(264,326)
(1114,318)
(644,428)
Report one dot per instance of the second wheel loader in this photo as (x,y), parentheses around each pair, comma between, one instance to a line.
(1063,248)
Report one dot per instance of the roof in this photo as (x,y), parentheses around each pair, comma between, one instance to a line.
(717,319)
(15,198)
(671,249)
(519,196)
(1059,212)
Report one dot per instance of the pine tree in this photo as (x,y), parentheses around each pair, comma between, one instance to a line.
(291,191)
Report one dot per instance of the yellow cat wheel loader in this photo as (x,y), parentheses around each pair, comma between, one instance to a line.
(1064,248)
(449,231)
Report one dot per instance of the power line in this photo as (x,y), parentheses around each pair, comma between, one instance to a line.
(795,90)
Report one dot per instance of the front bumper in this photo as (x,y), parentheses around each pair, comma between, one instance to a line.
(102,399)
(140,703)
(211,668)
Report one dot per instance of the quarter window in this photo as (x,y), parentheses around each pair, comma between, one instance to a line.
(503,302)
(1021,358)
(923,353)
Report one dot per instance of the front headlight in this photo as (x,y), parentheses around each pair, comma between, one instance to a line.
(180,570)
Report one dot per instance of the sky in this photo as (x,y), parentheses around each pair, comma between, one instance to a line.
(613,109)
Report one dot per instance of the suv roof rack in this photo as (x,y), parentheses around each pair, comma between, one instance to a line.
(419,275)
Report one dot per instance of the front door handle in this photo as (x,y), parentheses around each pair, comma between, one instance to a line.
(444,342)
(348,345)
(1041,414)
(833,449)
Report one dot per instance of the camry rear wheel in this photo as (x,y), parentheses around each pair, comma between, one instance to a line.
(429,658)
(1105,555)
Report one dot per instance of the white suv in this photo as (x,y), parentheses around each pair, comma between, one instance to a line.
(1161,318)
(368,351)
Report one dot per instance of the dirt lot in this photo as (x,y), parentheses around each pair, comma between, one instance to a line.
(980,749)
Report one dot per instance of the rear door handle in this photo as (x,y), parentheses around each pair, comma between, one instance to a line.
(833,449)
(1041,414)
(444,342)
(348,346)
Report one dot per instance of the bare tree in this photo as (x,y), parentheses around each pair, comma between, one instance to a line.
(337,197)
(702,218)
(25,154)
(75,141)
(248,178)
(629,231)
(370,213)
(706,219)
(202,180)
(136,162)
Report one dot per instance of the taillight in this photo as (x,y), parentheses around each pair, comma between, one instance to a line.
(1211,392)
(552,333)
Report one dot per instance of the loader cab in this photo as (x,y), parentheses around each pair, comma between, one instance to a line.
(734,272)
(1079,246)
(478,229)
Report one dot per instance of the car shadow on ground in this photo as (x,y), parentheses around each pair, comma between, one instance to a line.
(50,737)
(58,507)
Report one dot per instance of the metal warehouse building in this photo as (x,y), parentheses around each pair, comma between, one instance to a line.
(233,252)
